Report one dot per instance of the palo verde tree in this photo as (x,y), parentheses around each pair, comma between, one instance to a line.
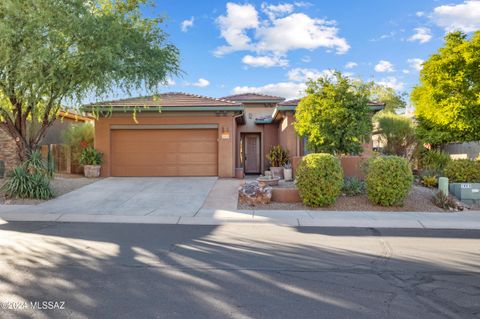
(447,100)
(52,51)
(334,117)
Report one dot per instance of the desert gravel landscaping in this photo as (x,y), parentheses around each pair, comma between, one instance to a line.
(419,200)
(61,184)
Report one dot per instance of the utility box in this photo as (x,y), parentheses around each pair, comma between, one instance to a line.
(466,192)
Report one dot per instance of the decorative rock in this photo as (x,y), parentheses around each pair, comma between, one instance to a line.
(268,181)
(252,193)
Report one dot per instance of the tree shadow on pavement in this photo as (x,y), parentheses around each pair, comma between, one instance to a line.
(181,271)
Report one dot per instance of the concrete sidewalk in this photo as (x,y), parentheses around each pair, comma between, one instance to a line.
(302,218)
(215,205)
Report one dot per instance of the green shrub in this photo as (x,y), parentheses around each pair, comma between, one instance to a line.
(277,156)
(434,160)
(389,180)
(463,171)
(78,137)
(353,186)
(91,156)
(319,179)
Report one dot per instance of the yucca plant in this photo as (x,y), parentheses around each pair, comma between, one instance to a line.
(30,179)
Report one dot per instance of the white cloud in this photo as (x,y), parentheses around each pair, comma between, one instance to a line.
(423,35)
(288,90)
(351,65)
(392,82)
(201,82)
(264,61)
(299,31)
(416,63)
(233,27)
(170,82)
(274,11)
(384,66)
(464,16)
(283,31)
(303,74)
(420,13)
(405,71)
(186,24)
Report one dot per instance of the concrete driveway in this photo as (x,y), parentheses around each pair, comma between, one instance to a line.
(137,196)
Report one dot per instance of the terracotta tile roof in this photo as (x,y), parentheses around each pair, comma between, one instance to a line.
(290,102)
(296,101)
(253,97)
(168,99)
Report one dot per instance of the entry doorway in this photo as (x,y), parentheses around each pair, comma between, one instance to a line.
(250,153)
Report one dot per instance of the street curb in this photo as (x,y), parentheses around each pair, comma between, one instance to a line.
(470,220)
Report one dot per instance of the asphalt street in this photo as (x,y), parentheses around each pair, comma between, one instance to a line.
(87,270)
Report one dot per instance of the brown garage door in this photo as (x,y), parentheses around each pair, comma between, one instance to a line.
(183,152)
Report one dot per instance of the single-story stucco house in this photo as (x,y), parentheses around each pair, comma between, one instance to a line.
(181,134)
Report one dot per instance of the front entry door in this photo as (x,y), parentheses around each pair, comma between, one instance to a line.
(252,153)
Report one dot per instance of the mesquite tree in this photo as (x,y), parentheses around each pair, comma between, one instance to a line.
(53,51)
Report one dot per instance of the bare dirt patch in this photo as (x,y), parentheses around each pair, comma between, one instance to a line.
(61,184)
(419,200)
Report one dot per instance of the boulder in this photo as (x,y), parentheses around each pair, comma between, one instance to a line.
(252,193)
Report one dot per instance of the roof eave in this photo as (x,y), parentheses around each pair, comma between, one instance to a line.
(125,109)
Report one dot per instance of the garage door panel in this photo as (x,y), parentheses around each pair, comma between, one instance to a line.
(164,152)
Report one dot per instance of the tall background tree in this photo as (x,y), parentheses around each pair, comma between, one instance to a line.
(393,101)
(447,100)
(334,117)
(52,51)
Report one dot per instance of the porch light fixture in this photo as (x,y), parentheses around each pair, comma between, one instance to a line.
(225,133)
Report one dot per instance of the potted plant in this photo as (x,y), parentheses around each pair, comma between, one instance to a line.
(91,159)
(287,171)
(277,157)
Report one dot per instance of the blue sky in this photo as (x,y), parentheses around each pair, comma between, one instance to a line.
(272,47)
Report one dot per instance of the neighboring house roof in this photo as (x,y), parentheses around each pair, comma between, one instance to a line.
(74,116)
(171,99)
(253,97)
(290,102)
(374,105)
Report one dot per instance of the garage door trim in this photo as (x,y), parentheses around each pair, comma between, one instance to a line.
(164,127)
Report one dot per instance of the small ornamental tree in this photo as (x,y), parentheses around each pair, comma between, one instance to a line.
(53,51)
(334,117)
(397,132)
(446,101)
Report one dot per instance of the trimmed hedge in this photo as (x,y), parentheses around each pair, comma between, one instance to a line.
(463,171)
(319,179)
(389,180)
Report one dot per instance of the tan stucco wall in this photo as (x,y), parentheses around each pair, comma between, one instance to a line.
(226,147)
(287,137)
